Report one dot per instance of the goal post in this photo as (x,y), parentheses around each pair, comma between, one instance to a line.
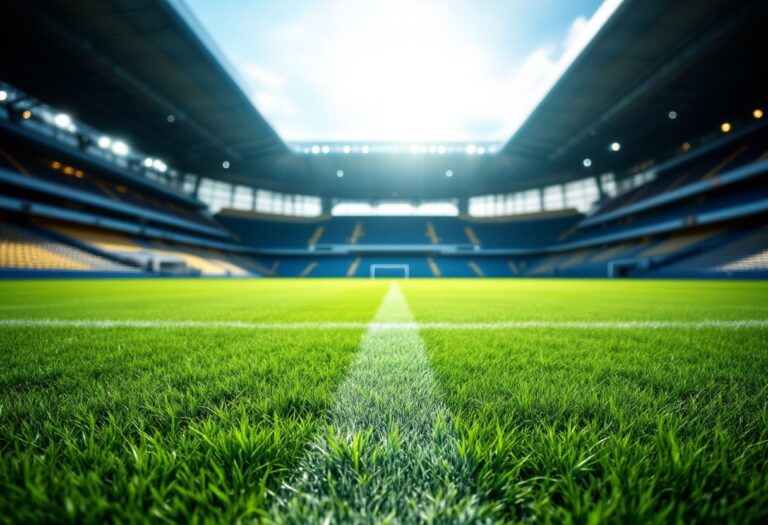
(405,268)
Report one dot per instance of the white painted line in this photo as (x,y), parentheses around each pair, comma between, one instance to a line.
(379,326)
(388,409)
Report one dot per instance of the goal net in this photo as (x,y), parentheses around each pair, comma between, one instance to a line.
(389,271)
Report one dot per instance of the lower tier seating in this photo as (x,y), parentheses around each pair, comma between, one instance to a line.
(22,248)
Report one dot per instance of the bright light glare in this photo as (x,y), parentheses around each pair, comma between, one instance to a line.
(615,146)
(347,149)
(471,149)
(104,142)
(366,149)
(315,150)
(587,163)
(148,162)
(3,96)
(62,120)
(395,208)
(398,71)
(340,173)
(120,148)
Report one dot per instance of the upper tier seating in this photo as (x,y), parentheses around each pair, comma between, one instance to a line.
(75,178)
(706,167)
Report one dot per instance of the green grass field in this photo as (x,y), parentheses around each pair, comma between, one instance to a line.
(434,401)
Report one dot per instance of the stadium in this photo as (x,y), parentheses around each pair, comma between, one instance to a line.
(328,261)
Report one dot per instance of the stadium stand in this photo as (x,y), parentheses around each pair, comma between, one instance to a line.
(23,248)
(695,203)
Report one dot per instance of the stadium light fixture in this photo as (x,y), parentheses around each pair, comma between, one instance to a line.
(686,146)
(672,115)
(225,164)
(62,120)
(586,163)
(471,149)
(326,150)
(441,150)
(3,96)
(615,146)
(170,119)
(120,148)
(315,149)
(726,127)
(104,142)
(757,113)
(26,115)
(159,165)
(340,173)
(365,149)
(449,173)
(347,149)
(481,150)
(148,162)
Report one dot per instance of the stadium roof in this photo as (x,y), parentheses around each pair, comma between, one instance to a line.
(126,67)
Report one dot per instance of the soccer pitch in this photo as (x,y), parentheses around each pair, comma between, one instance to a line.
(434,401)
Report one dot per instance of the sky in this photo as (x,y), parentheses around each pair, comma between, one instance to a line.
(404,71)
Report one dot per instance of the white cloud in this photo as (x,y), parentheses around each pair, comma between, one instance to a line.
(260,75)
(274,103)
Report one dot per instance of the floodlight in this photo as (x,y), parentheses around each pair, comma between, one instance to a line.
(586,163)
(615,146)
(62,120)
(120,148)
(471,149)
(339,173)
(104,142)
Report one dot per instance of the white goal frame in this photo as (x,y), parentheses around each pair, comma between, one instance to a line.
(405,267)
